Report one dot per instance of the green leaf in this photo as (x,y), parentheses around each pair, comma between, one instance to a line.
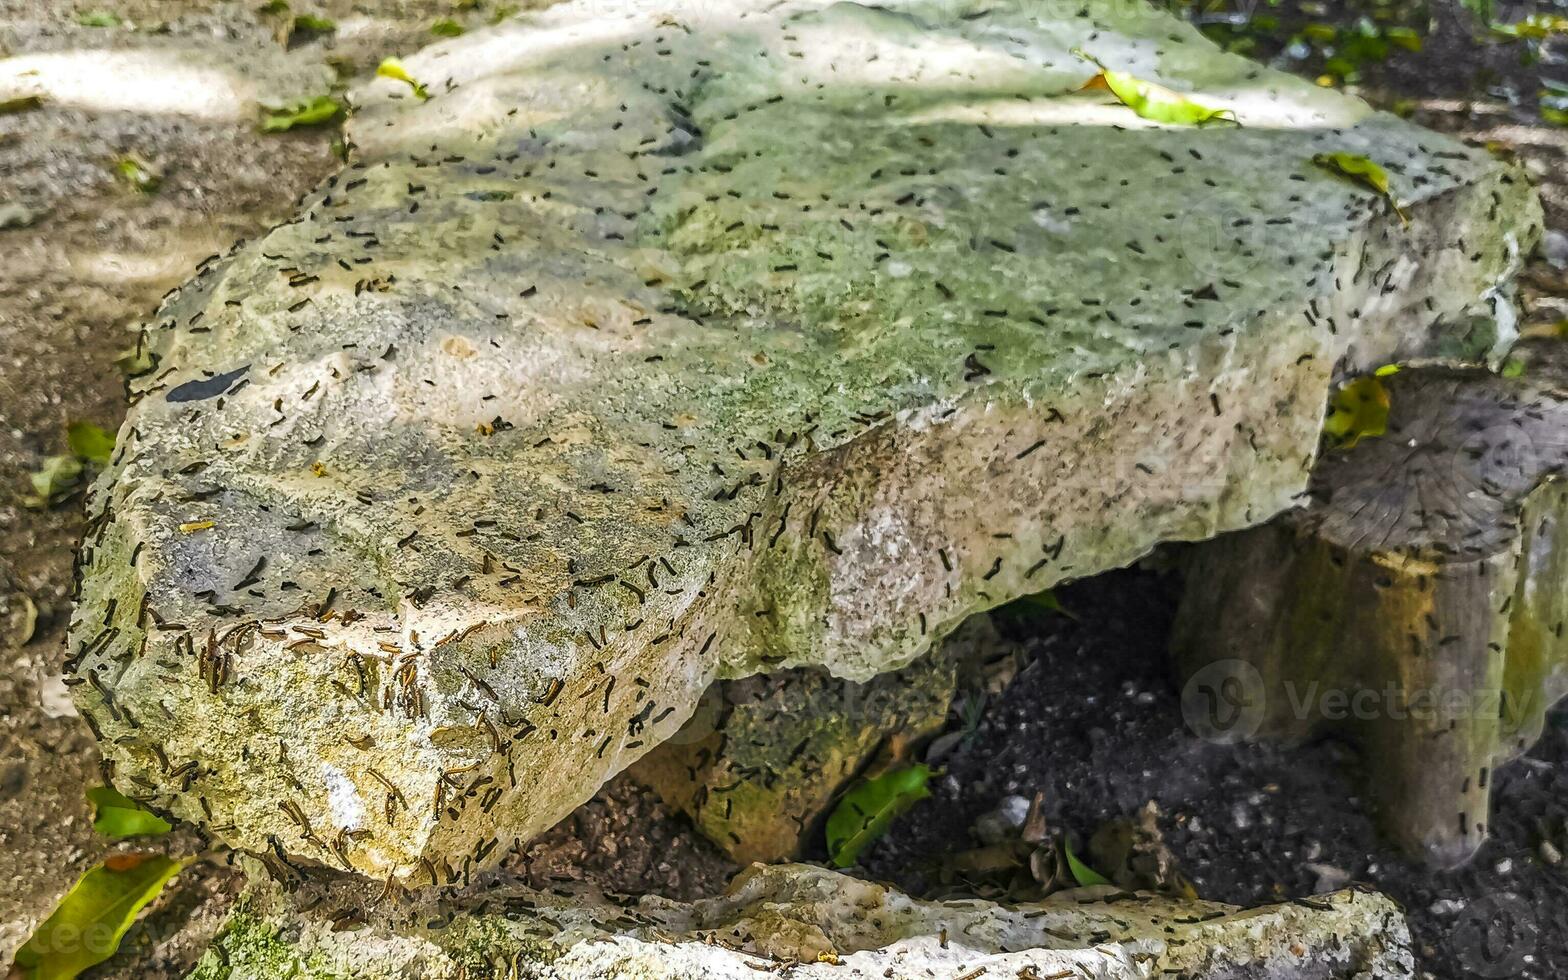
(311,112)
(1536,27)
(1151,101)
(866,812)
(273,7)
(1048,602)
(98,18)
(1513,368)
(446,27)
(1557,117)
(87,926)
(138,173)
(120,816)
(1082,873)
(1359,409)
(393,69)
(311,24)
(90,443)
(134,361)
(1406,37)
(21,103)
(1363,171)
(54,481)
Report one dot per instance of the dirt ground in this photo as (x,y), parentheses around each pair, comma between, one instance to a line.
(84,258)
(1094,720)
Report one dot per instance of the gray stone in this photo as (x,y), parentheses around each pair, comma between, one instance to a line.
(678,341)
(808,922)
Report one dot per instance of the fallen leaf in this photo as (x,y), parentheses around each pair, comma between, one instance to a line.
(1535,27)
(446,27)
(1358,409)
(20,103)
(120,816)
(90,443)
(138,173)
(54,481)
(98,18)
(1364,171)
(866,812)
(393,69)
(190,527)
(1048,602)
(311,24)
(1082,873)
(307,112)
(1151,101)
(86,927)
(135,361)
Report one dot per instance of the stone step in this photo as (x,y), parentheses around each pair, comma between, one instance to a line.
(809,922)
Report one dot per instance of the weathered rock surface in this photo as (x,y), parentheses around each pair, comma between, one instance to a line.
(800,921)
(1416,606)
(675,341)
(762,759)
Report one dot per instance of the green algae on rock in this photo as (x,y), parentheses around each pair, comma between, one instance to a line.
(760,762)
(668,342)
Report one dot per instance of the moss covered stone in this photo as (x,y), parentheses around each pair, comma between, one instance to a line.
(676,341)
(811,923)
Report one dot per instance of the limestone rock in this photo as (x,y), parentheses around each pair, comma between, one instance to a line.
(672,341)
(808,922)
(763,758)
(1416,606)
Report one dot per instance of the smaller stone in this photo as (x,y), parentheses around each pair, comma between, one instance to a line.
(1447,907)
(15,214)
(1330,878)
(1002,823)
(1549,852)
(1555,248)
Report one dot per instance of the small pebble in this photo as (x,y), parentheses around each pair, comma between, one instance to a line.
(1549,853)
(1555,247)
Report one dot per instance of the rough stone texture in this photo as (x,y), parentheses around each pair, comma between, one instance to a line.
(1417,605)
(803,922)
(761,760)
(674,341)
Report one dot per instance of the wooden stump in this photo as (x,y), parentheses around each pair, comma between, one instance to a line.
(1416,605)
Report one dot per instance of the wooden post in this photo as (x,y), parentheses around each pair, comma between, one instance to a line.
(1415,606)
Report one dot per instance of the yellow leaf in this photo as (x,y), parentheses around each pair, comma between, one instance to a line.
(1151,101)
(191,526)
(1363,171)
(393,69)
(1359,409)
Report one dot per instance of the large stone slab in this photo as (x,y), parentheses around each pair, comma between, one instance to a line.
(672,341)
(806,922)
